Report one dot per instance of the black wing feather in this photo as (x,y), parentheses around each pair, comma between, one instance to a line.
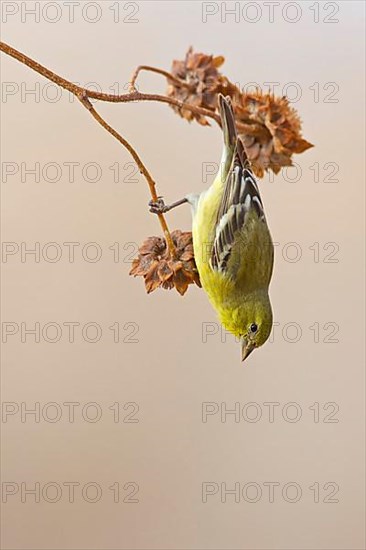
(241,194)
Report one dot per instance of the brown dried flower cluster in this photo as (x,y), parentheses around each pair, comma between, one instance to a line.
(159,269)
(269,127)
(200,72)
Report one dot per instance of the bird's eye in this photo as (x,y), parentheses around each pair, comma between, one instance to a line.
(253,327)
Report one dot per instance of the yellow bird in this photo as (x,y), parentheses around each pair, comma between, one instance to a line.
(232,244)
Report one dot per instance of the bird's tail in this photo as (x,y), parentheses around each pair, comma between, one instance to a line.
(230,137)
(234,151)
(227,122)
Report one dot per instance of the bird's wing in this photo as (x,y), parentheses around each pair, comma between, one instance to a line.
(240,197)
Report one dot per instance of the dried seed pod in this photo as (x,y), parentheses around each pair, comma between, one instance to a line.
(203,82)
(158,269)
(270,129)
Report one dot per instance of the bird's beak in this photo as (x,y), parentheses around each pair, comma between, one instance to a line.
(246,348)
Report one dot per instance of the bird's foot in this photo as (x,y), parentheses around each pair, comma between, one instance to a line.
(158,206)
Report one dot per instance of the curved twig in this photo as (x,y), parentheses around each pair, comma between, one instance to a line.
(143,170)
(156,70)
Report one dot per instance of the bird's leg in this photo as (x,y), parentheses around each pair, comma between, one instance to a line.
(159,206)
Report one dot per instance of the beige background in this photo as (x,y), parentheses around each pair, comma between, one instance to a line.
(171,371)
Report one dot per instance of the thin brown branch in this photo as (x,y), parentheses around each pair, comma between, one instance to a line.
(19,56)
(167,75)
(143,170)
(78,90)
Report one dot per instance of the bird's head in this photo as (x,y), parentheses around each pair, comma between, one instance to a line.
(251,322)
